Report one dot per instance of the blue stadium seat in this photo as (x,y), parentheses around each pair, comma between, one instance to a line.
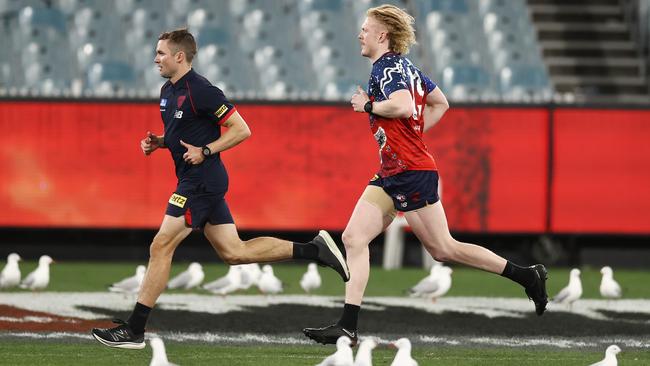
(527,76)
(313,43)
(466,75)
(213,35)
(516,8)
(43,18)
(443,6)
(113,71)
(326,5)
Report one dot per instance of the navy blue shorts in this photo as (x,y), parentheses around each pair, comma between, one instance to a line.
(410,190)
(199,206)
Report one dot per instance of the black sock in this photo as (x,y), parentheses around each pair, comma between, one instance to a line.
(350,316)
(522,275)
(138,318)
(305,251)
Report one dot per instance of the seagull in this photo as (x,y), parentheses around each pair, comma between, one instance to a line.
(229,283)
(40,277)
(250,275)
(572,291)
(435,285)
(311,279)
(609,288)
(159,357)
(403,356)
(10,275)
(364,354)
(426,281)
(342,356)
(130,284)
(269,284)
(189,278)
(610,357)
(246,278)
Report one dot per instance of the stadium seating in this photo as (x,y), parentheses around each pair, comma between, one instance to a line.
(255,49)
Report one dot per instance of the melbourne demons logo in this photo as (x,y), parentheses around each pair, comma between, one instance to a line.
(380,136)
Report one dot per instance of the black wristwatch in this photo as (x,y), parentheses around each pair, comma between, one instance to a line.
(368,107)
(206,151)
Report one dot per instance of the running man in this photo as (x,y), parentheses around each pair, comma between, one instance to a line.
(193,112)
(402,103)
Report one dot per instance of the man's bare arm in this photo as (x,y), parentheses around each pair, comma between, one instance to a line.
(435,106)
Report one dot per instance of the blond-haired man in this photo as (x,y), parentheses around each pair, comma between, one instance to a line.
(402,103)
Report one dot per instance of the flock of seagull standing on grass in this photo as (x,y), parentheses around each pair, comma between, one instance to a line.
(343,356)
(244,276)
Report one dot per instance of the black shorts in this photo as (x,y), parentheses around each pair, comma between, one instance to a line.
(410,190)
(199,206)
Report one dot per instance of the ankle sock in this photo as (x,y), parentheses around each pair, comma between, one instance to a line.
(350,316)
(138,318)
(307,251)
(524,276)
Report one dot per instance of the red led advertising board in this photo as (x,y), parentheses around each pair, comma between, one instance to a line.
(304,167)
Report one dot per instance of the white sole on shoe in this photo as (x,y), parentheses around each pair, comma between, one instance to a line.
(337,253)
(120,344)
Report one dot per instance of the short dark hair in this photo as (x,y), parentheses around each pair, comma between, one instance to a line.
(181,40)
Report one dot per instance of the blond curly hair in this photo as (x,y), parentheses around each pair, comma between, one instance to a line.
(401,32)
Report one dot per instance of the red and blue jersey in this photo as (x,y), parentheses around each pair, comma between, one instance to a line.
(401,147)
(192,110)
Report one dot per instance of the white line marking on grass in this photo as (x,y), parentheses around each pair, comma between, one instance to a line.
(34,319)
(247,338)
(560,342)
(519,342)
(45,335)
(251,339)
(69,304)
(439,340)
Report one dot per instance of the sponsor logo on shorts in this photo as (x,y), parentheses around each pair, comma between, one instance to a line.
(223,109)
(404,204)
(400,197)
(374,178)
(177,200)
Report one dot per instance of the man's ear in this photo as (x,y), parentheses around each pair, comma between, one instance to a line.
(179,56)
(383,36)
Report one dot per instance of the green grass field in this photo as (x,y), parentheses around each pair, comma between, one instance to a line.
(86,353)
(94,277)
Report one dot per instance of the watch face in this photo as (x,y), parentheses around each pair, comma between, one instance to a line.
(367,107)
(206,151)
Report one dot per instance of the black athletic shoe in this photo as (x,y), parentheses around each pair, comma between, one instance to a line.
(537,290)
(329,334)
(120,337)
(330,255)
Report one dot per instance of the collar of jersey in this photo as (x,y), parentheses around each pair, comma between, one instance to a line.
(388,53)
(180,83)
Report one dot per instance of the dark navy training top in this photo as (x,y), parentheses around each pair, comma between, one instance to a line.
(193,110)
